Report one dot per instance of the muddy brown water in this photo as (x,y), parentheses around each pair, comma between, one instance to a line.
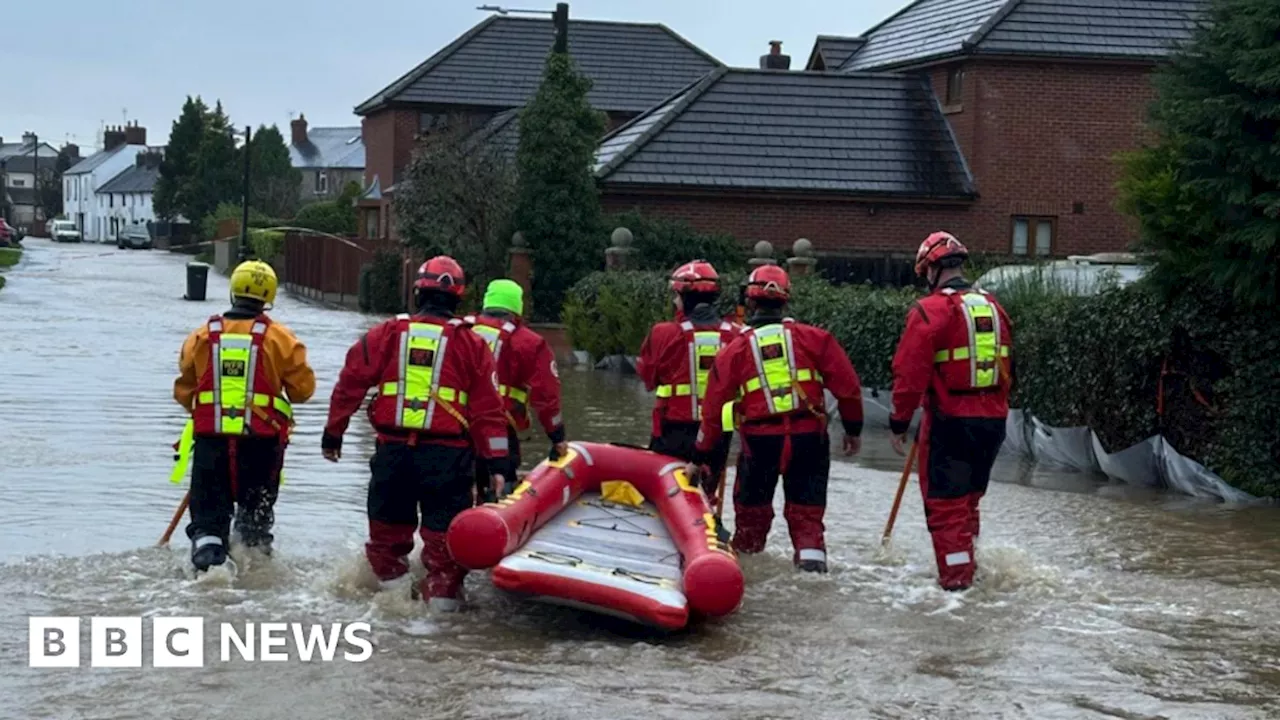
(1094,600)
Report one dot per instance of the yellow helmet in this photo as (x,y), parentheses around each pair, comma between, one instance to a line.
(254,279)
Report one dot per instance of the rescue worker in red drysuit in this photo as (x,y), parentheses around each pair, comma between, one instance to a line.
(527,377)
(955,358)
(435,409)
(769,385)
(676,359)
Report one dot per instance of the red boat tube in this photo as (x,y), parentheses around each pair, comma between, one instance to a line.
(479,538)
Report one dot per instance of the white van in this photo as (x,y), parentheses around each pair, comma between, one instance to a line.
(64,231)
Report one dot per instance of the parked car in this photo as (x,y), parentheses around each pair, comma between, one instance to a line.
(1077,275)
(9,236)
(64,231)
(134,236)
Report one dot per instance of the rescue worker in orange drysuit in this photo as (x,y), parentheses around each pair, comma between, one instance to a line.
(769,385)
(241,373)
(955,358)
(527,377)
(675,361)
(436,407)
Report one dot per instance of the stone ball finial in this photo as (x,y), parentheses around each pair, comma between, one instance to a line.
(517,240)
(802,248)
(621,237)
(764,250)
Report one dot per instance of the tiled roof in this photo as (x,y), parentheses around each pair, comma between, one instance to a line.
(25,163)
(22,195)
(1137,28)
(10,149)
(499,62)
(93,161)
(927,30)
(831,51)
(132,179)
(330,147)
(502,132)
(855,133)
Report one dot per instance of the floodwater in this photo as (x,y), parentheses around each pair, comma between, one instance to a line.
(1094,600)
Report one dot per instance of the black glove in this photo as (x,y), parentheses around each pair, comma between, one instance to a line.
(330,442)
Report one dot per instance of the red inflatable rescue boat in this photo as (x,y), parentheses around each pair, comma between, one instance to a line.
(614,529)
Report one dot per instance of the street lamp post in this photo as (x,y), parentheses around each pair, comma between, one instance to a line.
(244,199)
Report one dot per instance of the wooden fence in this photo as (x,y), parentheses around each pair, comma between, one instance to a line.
(327,268)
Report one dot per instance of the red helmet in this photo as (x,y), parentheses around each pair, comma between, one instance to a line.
(769,282)
(937,247)
(695,276)
(441,273)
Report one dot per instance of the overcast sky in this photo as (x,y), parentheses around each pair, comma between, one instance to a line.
(68,72)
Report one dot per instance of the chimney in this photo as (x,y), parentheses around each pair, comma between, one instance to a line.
(28,138)
(135,135)
(112,138)
(72,150)
(298,130)
(775,60)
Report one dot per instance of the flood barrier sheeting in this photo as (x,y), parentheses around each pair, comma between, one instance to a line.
(1153,462)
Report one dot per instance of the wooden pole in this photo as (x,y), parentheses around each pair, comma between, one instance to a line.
(177,517)
(897,500)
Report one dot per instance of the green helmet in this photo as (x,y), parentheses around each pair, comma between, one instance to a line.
(506,295)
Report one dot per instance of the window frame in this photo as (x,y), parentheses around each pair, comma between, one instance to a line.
(1033,223)
(954,91)
(322,182)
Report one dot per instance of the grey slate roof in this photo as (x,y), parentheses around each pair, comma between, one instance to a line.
(868,134)
(1137,28)
(502,132)
(132,179)
(22,195)
(330,147)
(833,51)
(25,163)
(10,149)
(498,63)
(88,164)
(927,30)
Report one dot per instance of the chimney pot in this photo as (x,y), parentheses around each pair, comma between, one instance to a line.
(298,130)
(775,60)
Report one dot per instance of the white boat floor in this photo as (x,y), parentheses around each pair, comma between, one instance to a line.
(631,542)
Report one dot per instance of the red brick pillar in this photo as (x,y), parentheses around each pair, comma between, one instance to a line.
(801,261)
(520,268)
(615,258)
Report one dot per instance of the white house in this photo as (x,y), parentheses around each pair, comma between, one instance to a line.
(80,199)
(128,195)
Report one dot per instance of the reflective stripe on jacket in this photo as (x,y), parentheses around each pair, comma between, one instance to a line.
(234,396)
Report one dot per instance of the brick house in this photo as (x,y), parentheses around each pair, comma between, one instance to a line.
(1036,98)
(493,69)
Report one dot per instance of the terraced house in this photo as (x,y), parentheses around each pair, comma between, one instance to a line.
(999,120)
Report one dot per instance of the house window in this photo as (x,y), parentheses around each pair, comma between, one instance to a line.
(111,199)
(1033,235)
(322,182)
(371,223)
(955,86)
(19,182)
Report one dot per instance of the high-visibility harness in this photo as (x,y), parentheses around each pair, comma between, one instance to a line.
(986,350)
(497,337)
(703,345)
(417,389)
(234,365)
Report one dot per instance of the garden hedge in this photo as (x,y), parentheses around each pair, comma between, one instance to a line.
(1099,361)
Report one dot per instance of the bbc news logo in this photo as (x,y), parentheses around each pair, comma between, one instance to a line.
(178,642)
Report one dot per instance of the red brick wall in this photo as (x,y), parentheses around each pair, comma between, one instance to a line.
(1041,137)
(832,225)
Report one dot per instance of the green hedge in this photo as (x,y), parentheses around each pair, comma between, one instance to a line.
(1095,361)
(379,290)
(664,244)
